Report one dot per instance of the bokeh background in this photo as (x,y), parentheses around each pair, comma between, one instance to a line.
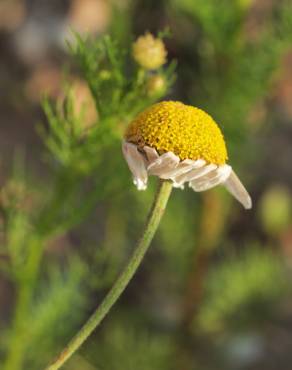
(214,291)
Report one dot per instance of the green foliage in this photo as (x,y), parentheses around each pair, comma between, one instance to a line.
(85,160)
(241,290)
(146,349)
(68,139)
(236,64)
(116,83)
(220,21)
(59,299)
(89,211)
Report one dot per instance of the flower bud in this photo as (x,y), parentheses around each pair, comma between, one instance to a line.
(105,74)
(149,52)
(275,210)
(155,85)
(84,102)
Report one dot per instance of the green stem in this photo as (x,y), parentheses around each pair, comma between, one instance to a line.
(123,280)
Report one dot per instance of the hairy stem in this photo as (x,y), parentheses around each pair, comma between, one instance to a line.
(123,280)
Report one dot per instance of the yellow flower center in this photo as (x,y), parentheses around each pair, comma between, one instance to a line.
(188,132)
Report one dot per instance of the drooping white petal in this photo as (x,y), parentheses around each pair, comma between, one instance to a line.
(214,178)
(182,169)
(163,164)
(195,173)
(151,154)
(200,176)
(136,163)
(185,166)
(236,188)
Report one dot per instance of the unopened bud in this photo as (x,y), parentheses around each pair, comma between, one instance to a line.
(155,85)
(105,74)
(149,52)
(275,210)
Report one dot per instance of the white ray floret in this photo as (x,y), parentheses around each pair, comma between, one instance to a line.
(236,188)
(163,165)
(197,173)
(136,163)
(214,178)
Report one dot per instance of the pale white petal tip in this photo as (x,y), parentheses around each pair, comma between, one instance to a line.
(248,203)
(177,185)
(236,188)
(140,184)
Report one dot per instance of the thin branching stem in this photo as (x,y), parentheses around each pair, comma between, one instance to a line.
(123,280)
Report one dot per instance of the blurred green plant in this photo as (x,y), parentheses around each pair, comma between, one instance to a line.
(237,60)
(84,162)
(243,290)
(229,69)
(232,61)
(147,349)
(275,211)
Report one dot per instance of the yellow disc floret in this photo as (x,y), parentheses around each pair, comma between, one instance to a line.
(188,132)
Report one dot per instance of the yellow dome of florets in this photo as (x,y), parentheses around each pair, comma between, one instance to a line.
(188,132)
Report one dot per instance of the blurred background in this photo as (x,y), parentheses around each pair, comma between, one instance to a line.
(214,291)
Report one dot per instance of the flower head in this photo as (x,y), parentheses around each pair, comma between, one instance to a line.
(183,144)
(188,132)
(149,52)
